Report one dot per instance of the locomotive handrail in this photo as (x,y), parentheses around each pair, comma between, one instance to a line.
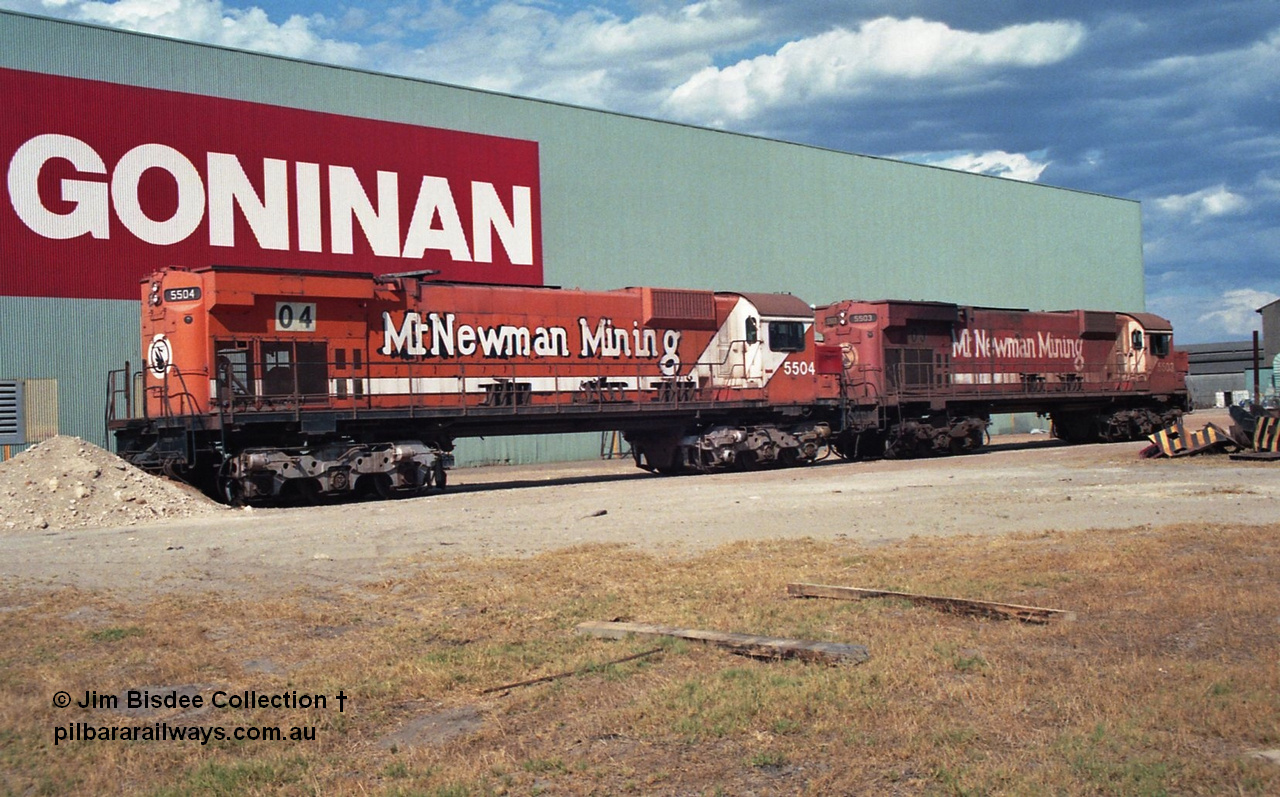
(1012,378)
(114,390)
(188,404)
(271,388)
(641,391)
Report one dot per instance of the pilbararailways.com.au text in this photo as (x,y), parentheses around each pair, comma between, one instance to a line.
(164,732)
(177,731)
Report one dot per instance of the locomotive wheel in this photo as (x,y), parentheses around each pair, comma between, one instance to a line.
(1115,430)
(835,447)
(845,445)
(308,491)
(967,444)
(897,446)
(231,491)
(440,477)
(382,486)
(228,488)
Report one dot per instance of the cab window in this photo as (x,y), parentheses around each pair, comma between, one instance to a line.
(232,358)
(786,335)
(294,368)
(753,330)
(1160,344)
(1136,339)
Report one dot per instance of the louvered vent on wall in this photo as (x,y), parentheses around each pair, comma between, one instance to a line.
(12,423)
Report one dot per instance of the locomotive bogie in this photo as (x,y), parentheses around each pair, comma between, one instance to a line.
(720,448)
(333,470)
(1114,424)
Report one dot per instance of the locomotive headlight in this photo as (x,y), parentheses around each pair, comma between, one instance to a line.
(155,294)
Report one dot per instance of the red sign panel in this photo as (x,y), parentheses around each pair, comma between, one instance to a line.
(105,183)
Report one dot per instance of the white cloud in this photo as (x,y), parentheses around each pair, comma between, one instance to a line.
(842,63)
(1203,204)
(657,62)
(1225,74)
(997,163)
(591,57)
(699,27)
(209,21)
(1236,312)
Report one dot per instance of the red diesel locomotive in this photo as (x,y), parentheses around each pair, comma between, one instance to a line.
(260,383)
(924,377)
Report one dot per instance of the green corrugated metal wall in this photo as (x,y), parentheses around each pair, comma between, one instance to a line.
(73,341)
(629,201)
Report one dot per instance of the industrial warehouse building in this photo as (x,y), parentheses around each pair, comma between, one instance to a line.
(1222,374)
(1219,373)
(124,153)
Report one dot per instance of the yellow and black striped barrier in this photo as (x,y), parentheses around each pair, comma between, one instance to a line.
(1175,441)
(1267,436)
(1169,440)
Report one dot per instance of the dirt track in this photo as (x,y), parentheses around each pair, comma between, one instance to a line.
(1024,484)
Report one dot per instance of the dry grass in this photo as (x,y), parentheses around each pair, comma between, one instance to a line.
(1168,678)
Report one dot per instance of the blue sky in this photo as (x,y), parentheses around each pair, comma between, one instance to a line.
(1173,103)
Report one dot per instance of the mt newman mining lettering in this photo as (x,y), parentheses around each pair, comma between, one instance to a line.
(441,336)
(981,343)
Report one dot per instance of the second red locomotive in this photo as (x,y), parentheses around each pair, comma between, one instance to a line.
(925,377)
(260,383)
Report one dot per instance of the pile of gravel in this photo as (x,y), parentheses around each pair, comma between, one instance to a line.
(65,483)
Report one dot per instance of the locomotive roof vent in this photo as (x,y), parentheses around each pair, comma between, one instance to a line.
(679,309)
(1096,325)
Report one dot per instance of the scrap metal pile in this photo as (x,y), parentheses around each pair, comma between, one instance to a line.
(1254,435)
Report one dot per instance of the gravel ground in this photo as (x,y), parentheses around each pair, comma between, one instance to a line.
(66,483)
(1023,484)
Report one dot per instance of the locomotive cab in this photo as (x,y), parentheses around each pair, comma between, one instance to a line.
(255,370)
(759,335)
(1143,340)
(1145,352)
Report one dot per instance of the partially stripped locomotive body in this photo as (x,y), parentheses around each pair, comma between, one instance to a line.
(261,382)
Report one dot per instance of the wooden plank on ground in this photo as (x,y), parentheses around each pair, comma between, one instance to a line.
(999,611)
(746,644)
